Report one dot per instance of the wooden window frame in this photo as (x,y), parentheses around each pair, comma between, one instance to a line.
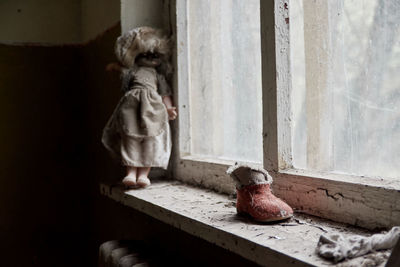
(362,201)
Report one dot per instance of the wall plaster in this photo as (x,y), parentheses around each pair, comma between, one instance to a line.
(53,23)
(136,13)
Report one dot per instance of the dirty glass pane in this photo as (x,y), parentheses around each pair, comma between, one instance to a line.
(345,63)
(225,79)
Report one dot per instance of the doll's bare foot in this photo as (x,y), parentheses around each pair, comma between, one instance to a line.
(143,180)
(130,178)
(129,181)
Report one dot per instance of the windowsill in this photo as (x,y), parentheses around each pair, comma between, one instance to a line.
(366,202)
(215,160)
(212,216)
(381,182)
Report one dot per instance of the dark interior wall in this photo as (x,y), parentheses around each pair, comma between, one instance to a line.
(102,93)
(54,103)
(43,184)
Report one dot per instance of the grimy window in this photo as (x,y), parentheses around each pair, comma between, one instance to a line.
(219,89)
(345,59)
(223,80)
(308,89)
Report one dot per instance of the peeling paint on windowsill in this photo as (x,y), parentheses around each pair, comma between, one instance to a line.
(212,216)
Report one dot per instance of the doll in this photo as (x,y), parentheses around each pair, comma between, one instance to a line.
(138,132)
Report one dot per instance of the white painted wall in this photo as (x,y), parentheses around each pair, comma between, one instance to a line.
(56,22)
(40,21)
(75,21)
(135,13)
(97,16)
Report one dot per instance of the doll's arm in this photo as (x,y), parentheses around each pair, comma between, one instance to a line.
(165,91)
(172,112)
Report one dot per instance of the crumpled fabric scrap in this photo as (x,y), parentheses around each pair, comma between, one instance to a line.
(336,247)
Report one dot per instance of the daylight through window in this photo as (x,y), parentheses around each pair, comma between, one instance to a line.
(224,74)
(345,59)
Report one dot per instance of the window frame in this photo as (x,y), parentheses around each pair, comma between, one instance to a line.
(188,168)
(362,201)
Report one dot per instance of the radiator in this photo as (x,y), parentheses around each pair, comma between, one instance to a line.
(124,253)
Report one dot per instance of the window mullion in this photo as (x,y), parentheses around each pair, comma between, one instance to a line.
(276,83)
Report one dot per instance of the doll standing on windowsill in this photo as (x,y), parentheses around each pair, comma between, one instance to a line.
(138,132)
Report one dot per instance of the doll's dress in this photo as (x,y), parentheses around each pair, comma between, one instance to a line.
(138,132)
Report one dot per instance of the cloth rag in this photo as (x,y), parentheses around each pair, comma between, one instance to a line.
(336,247)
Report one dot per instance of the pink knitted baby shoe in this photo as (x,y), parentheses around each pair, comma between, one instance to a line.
(254,195)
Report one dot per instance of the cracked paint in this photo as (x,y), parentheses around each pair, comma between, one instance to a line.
(212,216)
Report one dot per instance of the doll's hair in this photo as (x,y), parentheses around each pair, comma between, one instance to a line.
(166,69)
(144,40)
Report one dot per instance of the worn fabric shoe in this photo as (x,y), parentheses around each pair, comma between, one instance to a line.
(254,195)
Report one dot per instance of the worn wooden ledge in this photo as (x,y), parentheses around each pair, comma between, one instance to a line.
(212,216)
(365,202)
